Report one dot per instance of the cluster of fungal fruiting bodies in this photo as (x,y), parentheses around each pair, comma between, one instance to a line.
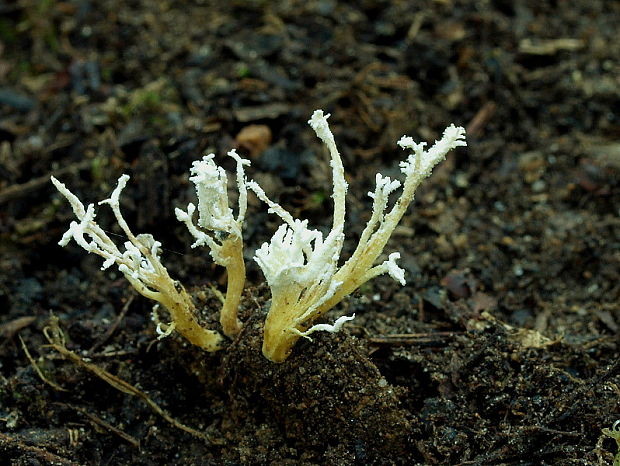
(300,264)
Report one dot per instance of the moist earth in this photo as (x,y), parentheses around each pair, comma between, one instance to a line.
(501,349)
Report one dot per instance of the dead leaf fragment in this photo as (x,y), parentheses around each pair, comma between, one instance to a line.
(254,138)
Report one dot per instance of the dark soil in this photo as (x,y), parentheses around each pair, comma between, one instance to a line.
(501,349)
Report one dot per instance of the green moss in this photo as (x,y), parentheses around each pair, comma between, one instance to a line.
(243,71)
(7,31)
(97,168)
(318,198)
(154,98)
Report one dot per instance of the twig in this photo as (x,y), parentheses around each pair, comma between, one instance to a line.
(106,425)
(114,326)
(18,190)
(413,338)
(114,354)
(37,369)
(547,430)
(480,119)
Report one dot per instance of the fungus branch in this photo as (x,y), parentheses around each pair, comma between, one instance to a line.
(301,267)
(139,263)
(224,240)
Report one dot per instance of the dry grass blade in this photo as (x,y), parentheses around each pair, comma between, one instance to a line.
(427,338)
(106,425)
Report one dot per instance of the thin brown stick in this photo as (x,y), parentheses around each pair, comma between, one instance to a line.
(38,370)
(413,338)
(106,425)
(18,190)
(114,326)
(480,119)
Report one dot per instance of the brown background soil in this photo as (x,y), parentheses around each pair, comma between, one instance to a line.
(501,349)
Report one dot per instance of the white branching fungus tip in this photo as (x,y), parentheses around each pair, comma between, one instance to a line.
(214,214)
(335,328)
(421,162)
(163,330)
(301,266)
(393,270)
(318,122)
